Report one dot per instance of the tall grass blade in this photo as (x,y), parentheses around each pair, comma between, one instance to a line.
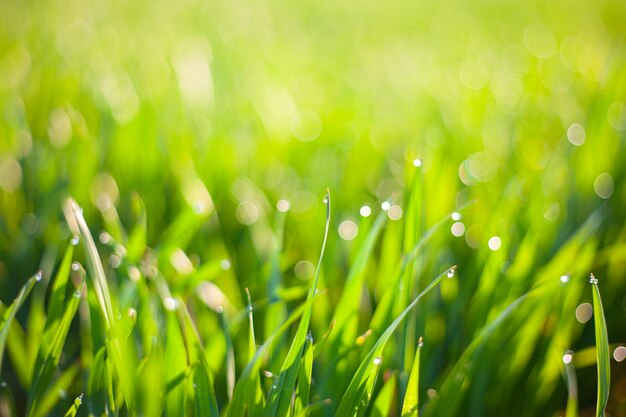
(281,392)
(115,346)
(352,397)
(411,403)
(602,351)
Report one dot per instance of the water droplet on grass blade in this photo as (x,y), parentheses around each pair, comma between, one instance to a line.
(170,303)
(39,276)
(326,199)
(456,216)
(385,205)
(564,278)
(568,357)
(75,240)
(417,162)
(420,342)
(378,360)
(593,279)
(451,272)
(75,266)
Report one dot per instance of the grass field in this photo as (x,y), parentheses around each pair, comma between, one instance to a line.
(312,208)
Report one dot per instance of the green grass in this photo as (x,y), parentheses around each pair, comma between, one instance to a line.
(165,164)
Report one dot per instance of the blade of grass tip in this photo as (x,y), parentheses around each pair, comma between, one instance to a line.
(410,404)
(281,392)
(257,399)
(11,311)
(572,385)
(602,351)
(350,402)
(71,412)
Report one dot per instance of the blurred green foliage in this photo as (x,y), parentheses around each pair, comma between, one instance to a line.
(180,128)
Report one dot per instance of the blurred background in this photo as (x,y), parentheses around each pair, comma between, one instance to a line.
(248,111)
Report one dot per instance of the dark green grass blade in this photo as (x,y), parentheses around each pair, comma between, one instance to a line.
(352,397)
(281,393)
(411,404)
(50,354)
(602,351)
(74,408)
(9,314)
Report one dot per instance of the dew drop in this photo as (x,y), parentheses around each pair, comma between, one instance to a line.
(564,278)
(420,342)
(309,337)
(170,303)
(249,308)
(39,276)
(450,272)
(365,211)
(77,294)
(567,358)
(386,205)
(75,240)
(378,360)
(225,264)
(593,279)
(75,266)
(456,216)
(326,199)
(417,162)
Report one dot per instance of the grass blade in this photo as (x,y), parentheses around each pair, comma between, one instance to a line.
(9,314)
(281,393)
(304,379)
(385,401)
(74,408)
(410,405)
(351,398)
(50,354)
(602,351)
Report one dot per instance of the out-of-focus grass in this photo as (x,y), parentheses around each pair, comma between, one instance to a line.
(199,137)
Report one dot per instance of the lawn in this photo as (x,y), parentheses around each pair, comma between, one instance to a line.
(312,208)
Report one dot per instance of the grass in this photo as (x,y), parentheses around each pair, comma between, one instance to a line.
(197,270)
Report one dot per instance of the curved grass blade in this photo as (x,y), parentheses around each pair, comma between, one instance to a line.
(281,393)
(602,351)
(115,347)
(10,312)
(74,408)
(352,397)
(257,399)
(410,404)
